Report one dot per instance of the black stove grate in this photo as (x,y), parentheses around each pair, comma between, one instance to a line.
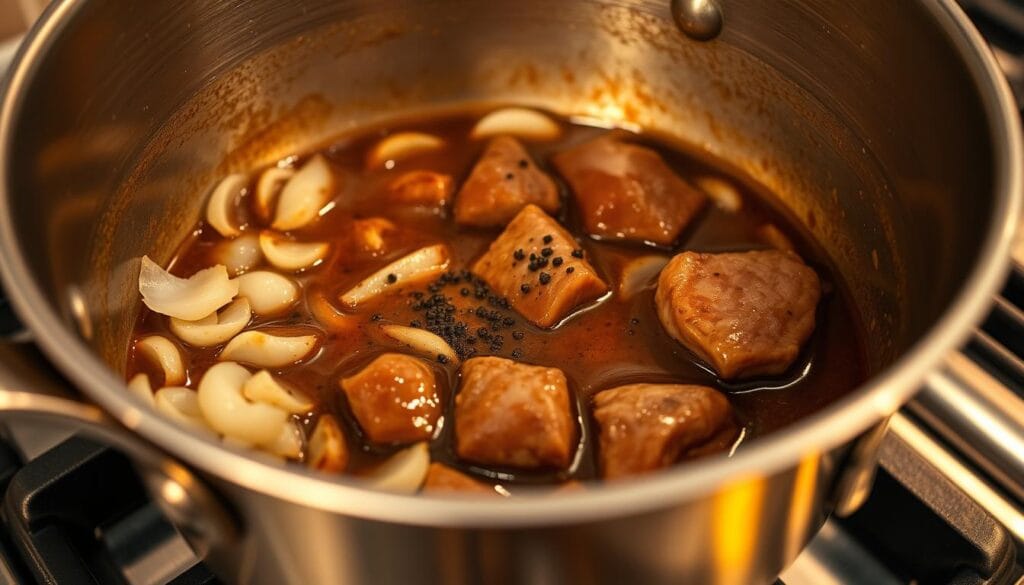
(79,515)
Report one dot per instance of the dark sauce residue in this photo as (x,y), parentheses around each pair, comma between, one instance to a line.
(607,344)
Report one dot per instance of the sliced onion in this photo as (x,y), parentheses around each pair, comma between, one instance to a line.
(773,236)
(180,404)
(216,328)
(371,232)
(421,341)
(269,293)
(223,202)
(404,471)
(722,192)
(329,316)
(304,195)
(160,351)
(520,122)
(267,187)
(262,387)
(639,273)
(421,264)
(190,298)
(139,385)
(327,448)
(402,145)
(421,187)
(230,414)
(268,351)
(287,443)
(290,255)
(239,255)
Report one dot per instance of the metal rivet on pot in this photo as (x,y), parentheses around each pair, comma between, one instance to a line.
(701,20)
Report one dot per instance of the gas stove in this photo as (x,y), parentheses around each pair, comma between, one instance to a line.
(947,505)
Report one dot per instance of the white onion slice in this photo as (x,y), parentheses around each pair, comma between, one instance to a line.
(329,316)
(190,298)
(269,293)
(773,236)
(160,351)
(421,264)
(404,471)
(290,255)
(304,195)
(639,273)
(287,443)
(268,351)
(520,122)
(230,414)
(139,385)
(262,387)
(722,192)
(402,145)
(180,404)
(421,341)
(370,232)
(220,208)
(216,328)
(327,448)
(239,255)
(267,187)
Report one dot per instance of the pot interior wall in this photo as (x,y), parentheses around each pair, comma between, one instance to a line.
(138,108)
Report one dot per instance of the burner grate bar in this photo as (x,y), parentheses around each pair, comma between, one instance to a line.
(980,416)
(987,496)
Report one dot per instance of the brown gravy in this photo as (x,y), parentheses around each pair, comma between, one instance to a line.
(608,343)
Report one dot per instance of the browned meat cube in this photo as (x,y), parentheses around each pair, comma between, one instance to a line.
(513,414)
(425,188)
(746,314)
(537,265)
(394,399)
(503,181)
(649,426)
(441,478)
(626,191)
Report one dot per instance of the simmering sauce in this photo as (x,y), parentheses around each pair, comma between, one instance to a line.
(607,343)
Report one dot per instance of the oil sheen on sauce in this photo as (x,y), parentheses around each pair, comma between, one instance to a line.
(609,343)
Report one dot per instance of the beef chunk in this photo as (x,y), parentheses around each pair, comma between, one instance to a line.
(513,414)
(626,191)
(503,181)
(650,426)
(537,265)
(746,314)
(425,188)
(394,399)
(441,478)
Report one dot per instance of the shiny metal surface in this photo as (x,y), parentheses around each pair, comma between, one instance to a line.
(701,20)
(885,128)
(980,416)
(833,558)
(989,497)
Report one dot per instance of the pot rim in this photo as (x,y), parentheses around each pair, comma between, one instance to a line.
(804,440)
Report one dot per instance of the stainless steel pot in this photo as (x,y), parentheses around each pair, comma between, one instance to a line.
(882,126)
